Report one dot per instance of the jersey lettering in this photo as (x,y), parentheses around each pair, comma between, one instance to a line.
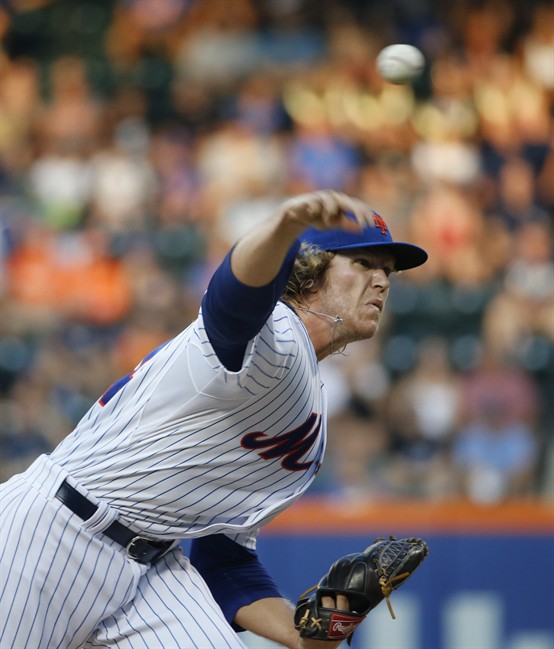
(290,446)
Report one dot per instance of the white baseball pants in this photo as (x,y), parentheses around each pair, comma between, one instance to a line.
(64,585)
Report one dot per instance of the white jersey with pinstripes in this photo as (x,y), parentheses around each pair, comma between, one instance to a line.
(186,448)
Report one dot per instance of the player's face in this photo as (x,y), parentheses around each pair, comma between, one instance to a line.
(356,287)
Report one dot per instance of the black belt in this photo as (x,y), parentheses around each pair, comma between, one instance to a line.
(139,548)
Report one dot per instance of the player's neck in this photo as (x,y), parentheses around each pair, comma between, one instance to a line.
(323,329)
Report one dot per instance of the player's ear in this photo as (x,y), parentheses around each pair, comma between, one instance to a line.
(311,286)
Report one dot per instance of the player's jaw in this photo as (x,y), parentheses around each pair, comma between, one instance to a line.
(366,318)
(357,292)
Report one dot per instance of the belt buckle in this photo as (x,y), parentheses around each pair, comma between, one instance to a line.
(150,550)
(135,553)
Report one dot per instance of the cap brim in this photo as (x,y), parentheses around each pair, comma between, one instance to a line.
(406,255)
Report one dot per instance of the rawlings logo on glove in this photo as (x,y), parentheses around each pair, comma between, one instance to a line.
(365,578)
(341,626)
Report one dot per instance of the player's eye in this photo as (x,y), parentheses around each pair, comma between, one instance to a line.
(367,263)
(364,262)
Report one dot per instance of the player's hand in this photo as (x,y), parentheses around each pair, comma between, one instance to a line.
(368,577)
(258,256)
(327,209)
(339,603)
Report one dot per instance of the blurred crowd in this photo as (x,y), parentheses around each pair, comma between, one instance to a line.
(140,138)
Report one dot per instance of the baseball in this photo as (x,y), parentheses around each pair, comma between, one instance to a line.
(400,63)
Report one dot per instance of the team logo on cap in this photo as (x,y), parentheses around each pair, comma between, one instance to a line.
(379,222)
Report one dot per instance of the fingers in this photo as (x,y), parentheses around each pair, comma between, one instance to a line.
(339,210)
(328,209)
(341,602)
(327,602)
(363,212)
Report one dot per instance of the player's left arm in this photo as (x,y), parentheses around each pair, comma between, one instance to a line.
(232,572)
(247,595)
(273,618)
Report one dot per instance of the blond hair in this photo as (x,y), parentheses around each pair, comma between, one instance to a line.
(307,272)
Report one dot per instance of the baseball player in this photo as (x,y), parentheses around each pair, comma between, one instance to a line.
(208,438)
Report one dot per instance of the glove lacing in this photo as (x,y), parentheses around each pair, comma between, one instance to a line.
(387,588)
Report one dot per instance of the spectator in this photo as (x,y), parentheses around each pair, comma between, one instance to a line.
(357,470)
(128,168)
(523,309)
(497,449)
(422,416)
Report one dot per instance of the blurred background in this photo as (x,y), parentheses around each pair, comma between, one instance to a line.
(140,138)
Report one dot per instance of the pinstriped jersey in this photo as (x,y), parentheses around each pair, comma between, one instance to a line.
(183,447)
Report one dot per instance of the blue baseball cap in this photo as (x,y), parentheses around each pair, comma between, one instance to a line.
(406,255)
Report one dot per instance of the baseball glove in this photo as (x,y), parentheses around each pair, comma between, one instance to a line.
(365,578)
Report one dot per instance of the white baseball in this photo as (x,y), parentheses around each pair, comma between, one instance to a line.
(400,63)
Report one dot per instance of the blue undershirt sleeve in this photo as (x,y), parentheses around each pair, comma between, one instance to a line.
(234,313)
(232,572)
